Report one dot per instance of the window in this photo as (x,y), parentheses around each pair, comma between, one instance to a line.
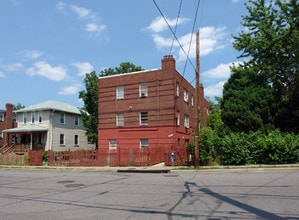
(120,94)
(185,95)
(32,117)
(112,144)
(1,135)
(25,117)
(120,119)
(1,116)
(143,143)
(40,116)
(177,88)
(76,140)
(143,118)
(61,139)
(143,90)
(178,118)
(186,121)
(62,118)
(77,120)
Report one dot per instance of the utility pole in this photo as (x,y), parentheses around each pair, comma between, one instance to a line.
(197,103)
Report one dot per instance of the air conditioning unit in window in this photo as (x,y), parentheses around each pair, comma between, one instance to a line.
(142,95)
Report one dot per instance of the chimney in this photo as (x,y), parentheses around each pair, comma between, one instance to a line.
(168,62)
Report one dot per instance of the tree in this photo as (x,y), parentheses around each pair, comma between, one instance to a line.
(246,102)
(125,67)
(89,112)
(89,96)
(270,44)
(18,106)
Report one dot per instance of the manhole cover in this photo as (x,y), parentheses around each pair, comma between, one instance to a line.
(66,181)
(74,185)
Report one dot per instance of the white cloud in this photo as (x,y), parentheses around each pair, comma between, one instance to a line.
(60,6)
(221,71)
(13,67)
(159,24)
(31,54)
(82,12)
(42,68)
(83,68)
(70,90)
(214,90)
(2,75)
(93,27)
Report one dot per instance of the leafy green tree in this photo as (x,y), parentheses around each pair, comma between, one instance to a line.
(247,100)
(18,106)
(125,67)
(89,112)
(270,44)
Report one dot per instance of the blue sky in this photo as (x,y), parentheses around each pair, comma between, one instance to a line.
(47,46)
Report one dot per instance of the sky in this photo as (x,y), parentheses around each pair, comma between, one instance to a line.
(47,47)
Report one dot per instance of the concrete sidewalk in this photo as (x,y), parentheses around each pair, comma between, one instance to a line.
(157,168)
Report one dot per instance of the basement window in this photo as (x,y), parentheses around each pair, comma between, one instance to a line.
(143,143)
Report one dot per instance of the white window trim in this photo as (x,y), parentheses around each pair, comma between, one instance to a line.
(60,114)
(40,116)
(119,119)
(143,90)
(62,144)
(120,92)
(77,117)
(142,146)
(112,144)
(76,144)
(140,119)
(24,117)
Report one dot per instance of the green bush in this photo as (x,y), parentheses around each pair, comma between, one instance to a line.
(252,148)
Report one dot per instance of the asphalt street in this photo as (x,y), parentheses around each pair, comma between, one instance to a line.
(75,194)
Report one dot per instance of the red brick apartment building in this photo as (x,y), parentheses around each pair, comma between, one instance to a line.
(6,122)
(152,108)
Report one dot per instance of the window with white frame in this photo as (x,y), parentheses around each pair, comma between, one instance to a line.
(40,116)
(120,94)
(77,120)
(143,143)
(1,135)
(143,90)
(32,117)
(24,117)
(177,118)
(1,116)
(112,144)
(143,118)
(76,140)
(61,139)
(185,95)
(186,121)
(62,118)
(120,119)
(177,88)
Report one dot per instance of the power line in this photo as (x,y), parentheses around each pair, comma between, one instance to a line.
(176,25)
(174,35)
(193,27)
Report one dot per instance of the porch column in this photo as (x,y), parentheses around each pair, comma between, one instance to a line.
(31,141)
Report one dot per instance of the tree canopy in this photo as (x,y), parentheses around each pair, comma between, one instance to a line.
(270,45)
